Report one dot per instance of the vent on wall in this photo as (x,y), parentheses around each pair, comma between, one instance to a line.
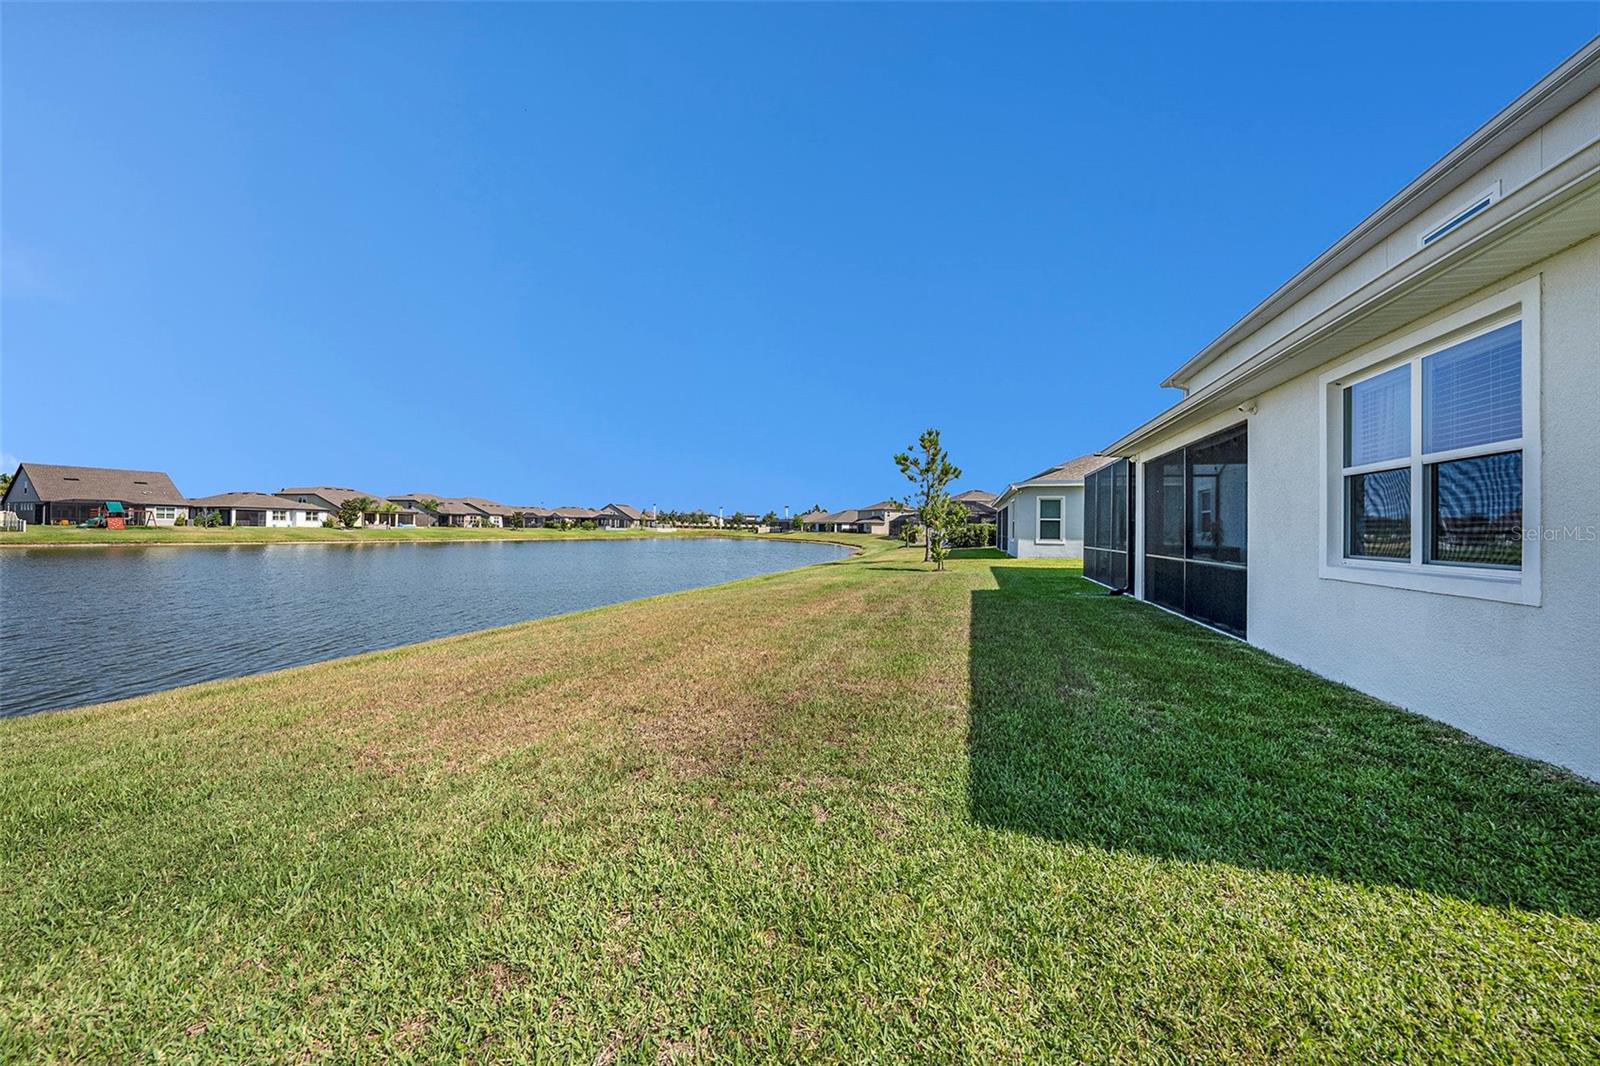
(1471,211)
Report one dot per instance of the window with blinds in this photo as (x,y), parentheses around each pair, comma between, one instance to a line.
(1433,457)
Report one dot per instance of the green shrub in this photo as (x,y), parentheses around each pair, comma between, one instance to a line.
(975,535)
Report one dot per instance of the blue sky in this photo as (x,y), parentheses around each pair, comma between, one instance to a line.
(694,256)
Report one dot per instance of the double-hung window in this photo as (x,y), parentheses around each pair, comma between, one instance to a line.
(1051,519)
(1430,444)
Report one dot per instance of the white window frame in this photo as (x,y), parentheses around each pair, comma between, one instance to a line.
(1039,520)
(278,516)
(1518,303)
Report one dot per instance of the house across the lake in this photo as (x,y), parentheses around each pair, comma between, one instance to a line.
(1387,471)
(562,516)
(874,518)
(533,517)
(46,495)
(379,511)
(422,504)
(453,511)
(257,509)
(499,515)
(619,516)
(1041,517)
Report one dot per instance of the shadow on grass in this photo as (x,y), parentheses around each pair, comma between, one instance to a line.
(1103,721)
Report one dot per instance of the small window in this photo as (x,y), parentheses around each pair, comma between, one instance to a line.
(280,516)
(1050,509)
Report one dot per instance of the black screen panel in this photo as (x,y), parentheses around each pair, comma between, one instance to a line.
(1196,534)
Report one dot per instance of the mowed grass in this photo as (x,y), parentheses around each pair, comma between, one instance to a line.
(70,536)
(855,812)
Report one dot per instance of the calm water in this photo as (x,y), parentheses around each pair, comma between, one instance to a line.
(85,625)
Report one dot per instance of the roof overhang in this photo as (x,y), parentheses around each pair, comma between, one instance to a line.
(1551,213)
(1036,483)
(1559,89)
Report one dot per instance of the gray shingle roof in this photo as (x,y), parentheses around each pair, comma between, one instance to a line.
(254,501)
(1073,469)
(101,483)
(334,494)
(489,506)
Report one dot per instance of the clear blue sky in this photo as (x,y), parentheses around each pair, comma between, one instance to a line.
(679,255)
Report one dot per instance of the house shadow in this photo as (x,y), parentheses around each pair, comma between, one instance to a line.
(1102,721)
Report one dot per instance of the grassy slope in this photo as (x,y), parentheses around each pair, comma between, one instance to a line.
(840,813)
(65,536)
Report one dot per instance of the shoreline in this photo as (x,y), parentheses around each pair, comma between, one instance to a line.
(196,538)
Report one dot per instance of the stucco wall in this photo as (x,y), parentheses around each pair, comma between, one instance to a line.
(1524,677)
(1025,524)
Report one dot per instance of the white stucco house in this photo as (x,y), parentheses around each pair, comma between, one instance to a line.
(258,509)
(1389,470)
(1041,517)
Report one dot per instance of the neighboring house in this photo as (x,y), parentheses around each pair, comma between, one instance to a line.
(329,497)
(980,505)
(257,509)
(498,514)
(876,518)
(45,494)
(811,521)
(846,521)
(1041,517)
(422,504)
(619,516)
(572,515)
(533,517)
(1386,471)
(463,514)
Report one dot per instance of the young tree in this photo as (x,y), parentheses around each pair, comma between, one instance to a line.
(351,511)
(515,521)
(931,471)
(947,519)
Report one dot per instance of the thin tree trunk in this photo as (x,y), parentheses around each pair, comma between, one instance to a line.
(927,548)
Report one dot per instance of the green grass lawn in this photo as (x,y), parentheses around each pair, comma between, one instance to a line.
(849,813)
(67,536)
